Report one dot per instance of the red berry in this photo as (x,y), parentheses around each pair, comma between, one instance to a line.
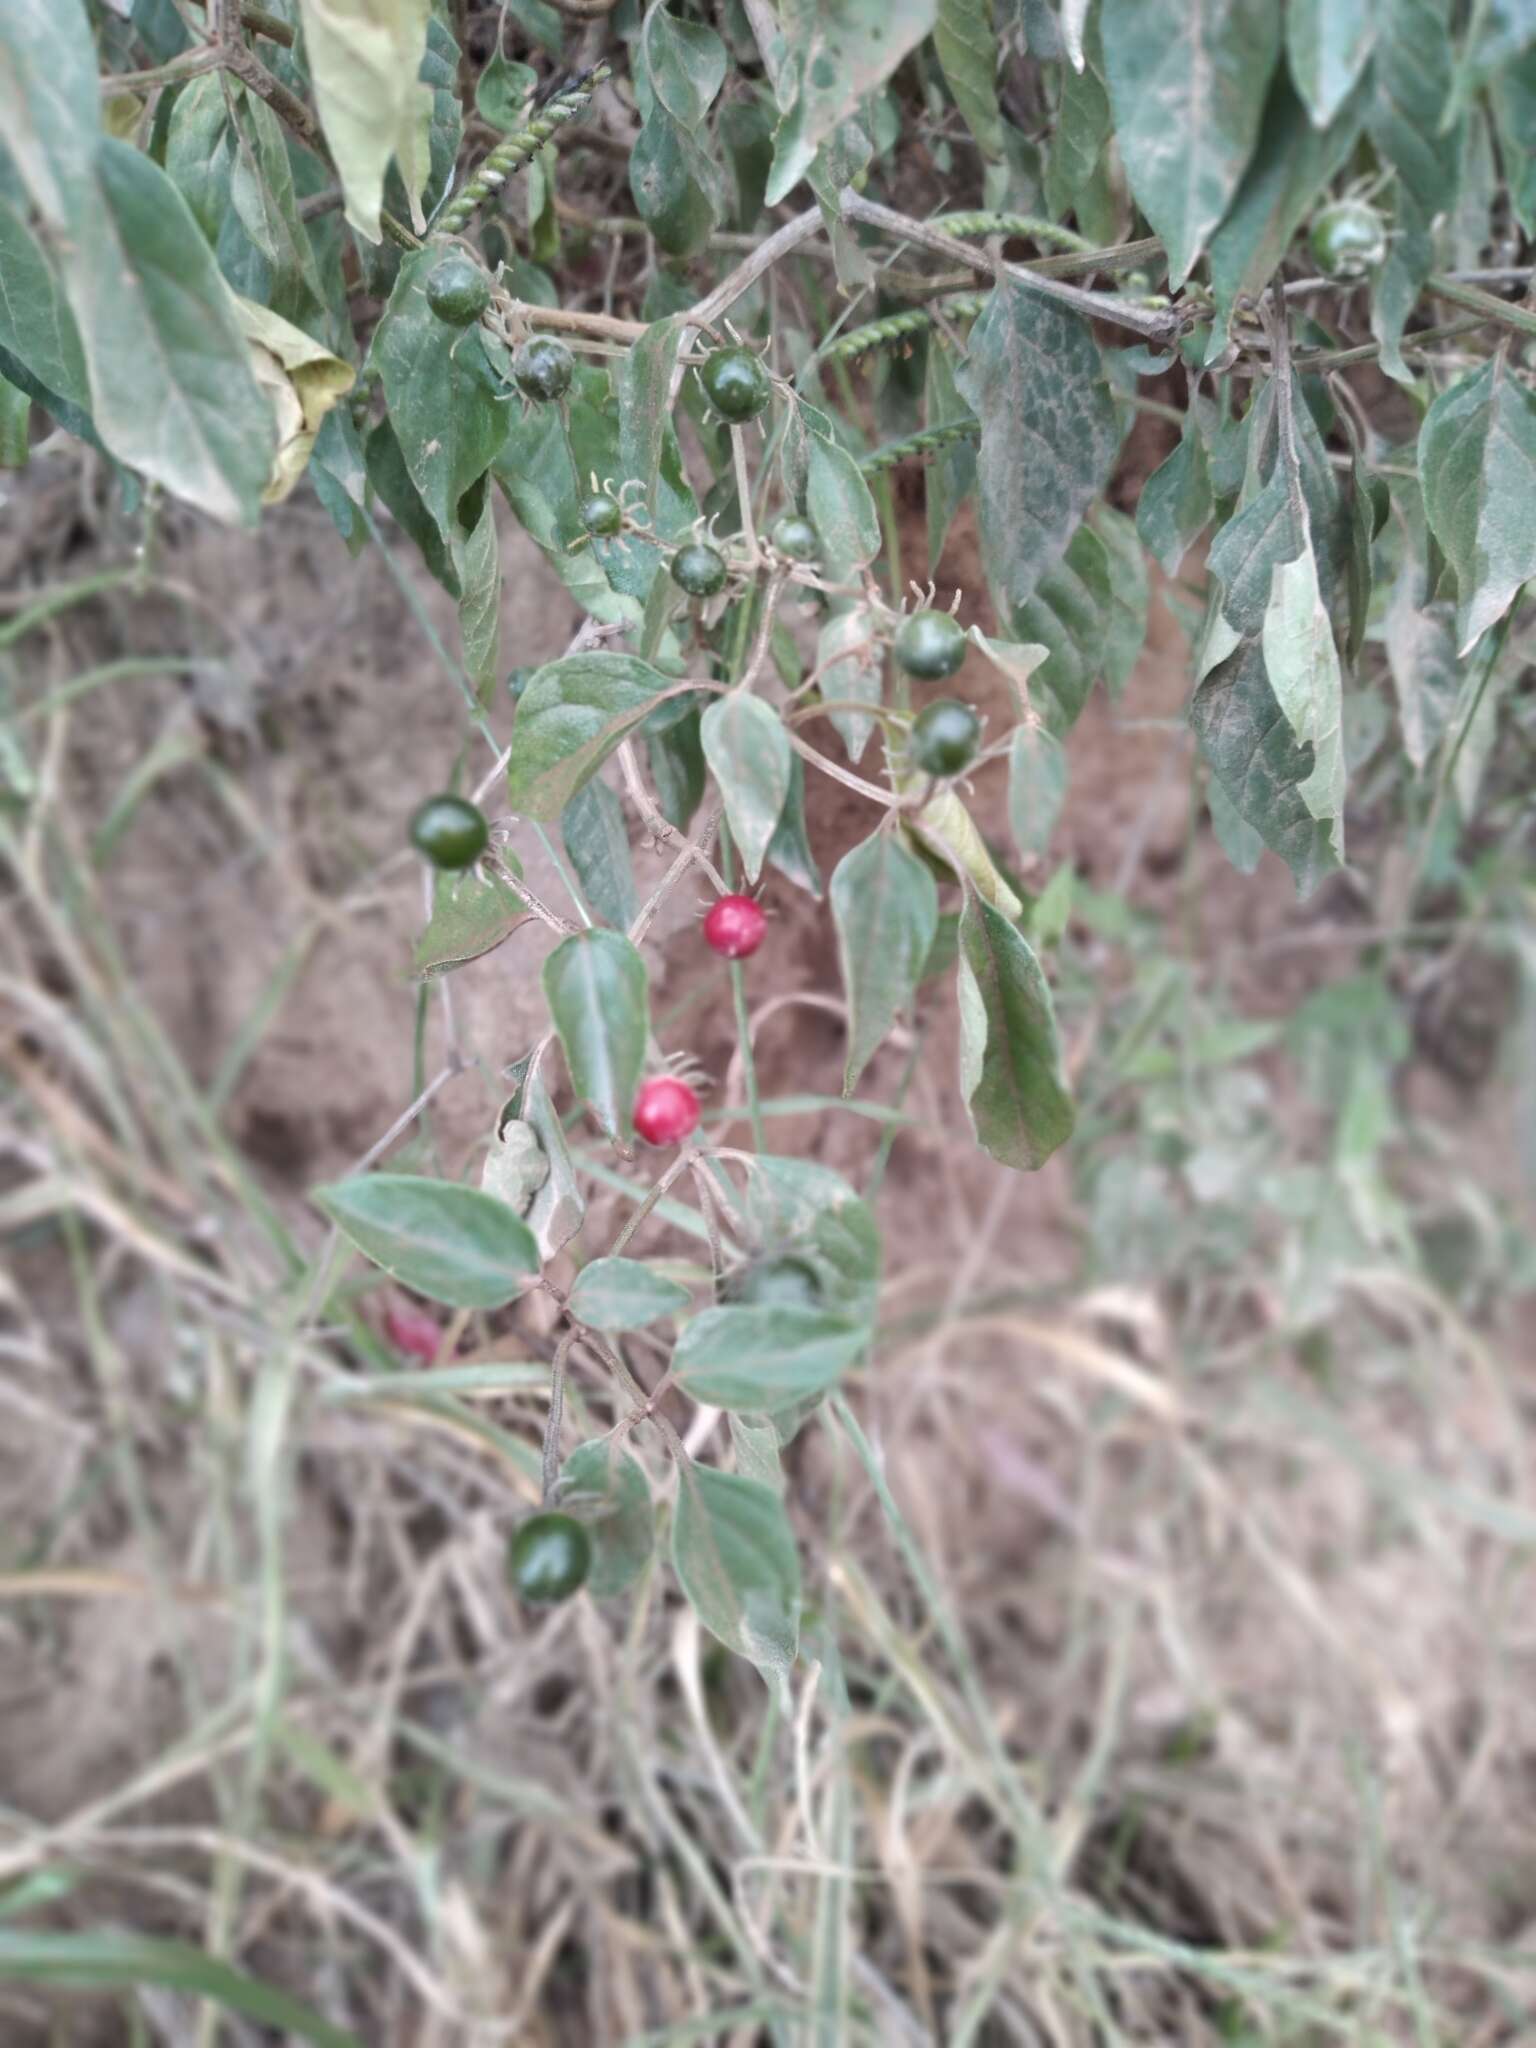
(411,1329)
(735,927)
(666,1109)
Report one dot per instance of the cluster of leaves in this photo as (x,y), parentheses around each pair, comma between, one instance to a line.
(282,248)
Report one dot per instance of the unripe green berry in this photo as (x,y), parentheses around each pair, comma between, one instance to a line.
(549,1558)
(449,831)
(698,569)
(458,290)
(930,645)
(737,385)
(600,514)
(543,367)
(794,535)
(1348,240)
(944,737)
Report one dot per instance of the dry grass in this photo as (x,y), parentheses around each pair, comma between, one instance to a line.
(1164,1681)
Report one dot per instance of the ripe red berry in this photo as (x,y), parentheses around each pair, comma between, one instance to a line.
(735,927)
(666,1109)
(412,1329)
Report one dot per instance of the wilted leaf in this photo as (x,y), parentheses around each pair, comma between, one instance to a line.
(1010,1061)
(448,1242)
(852,665)
(1408,106)
(1302,663)
(835,52)
(1176,501)
(965,40)
(558,1209)
(472,912)
(1037,787)
(1187,80)
(1070,615)
(1477,458)
(364,61)
(749,756)
(302,381)
(515,1166)
(1034,378)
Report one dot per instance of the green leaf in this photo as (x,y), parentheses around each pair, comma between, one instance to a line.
(572,715)
(1253,753)
(965,40)
(761,1359)
(946,827)
(364,61)
(951,473)
(15,425)
(596,837)
(443,397)
(446,1241)
(755,1440)
(1328,43)
(503,90)
(683,64)
(789,850)
(172,392)
(606,1490)
(50,103)
(1034,378)
(838,502)
(797,1205)
(1238,840)
(735,1558)
(1083,126)
(835,52)
(1010,1061)
(1037,787)
(559,1208)
(852,665)
(36,325)
(1303,668)
(1420,642)
(594,983)
(885,905)
(677,768)
(678,186)
(472,913)
(749,755)
(1408,125)
(1513,92)
(480,605)
(105,1960)
(1126,632)
(387,473)
(1187,80)
(645,411)
(1291,165)
(1069,615)
(1477,459)
(625,1294)
(1176,501)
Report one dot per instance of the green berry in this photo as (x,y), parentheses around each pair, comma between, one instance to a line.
(794,535)
(458,290)
(543,368)
(944,737)
(1348,240)
(930,646)
(549,1558)
(449,831)
(737,385)
(518,680)
(600,514)
(781,1282)
(699,570)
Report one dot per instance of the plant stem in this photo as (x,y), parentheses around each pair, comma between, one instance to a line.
(743,1019)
